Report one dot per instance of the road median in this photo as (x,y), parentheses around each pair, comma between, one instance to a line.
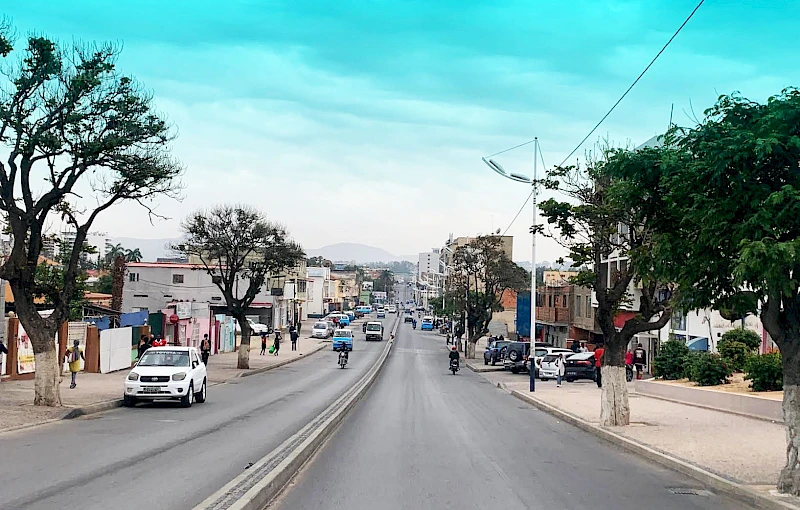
(265,479)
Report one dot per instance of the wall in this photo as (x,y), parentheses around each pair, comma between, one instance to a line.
(115,349)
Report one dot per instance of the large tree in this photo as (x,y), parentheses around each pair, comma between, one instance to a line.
(482,272)
(733,192)
(603,219)
(71,127)
(236,243)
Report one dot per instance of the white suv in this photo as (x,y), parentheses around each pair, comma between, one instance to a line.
(167,373)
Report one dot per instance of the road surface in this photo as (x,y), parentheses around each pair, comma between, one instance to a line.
(164,457)
(425,439)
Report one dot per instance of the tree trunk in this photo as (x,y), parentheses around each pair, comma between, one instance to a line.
(789,480)
(48,377)
(243,361)
(614,406)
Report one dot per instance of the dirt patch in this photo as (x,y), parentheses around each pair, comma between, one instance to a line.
(737,384)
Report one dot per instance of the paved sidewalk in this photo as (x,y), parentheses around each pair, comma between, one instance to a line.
(745,450)
(16,397)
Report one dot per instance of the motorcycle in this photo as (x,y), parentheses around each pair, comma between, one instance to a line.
(629,373)
(414,325)
(454,366)
(342,359)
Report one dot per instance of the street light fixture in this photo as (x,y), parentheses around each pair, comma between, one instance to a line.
(532,182)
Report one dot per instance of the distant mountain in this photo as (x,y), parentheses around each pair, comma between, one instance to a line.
(151,249)
(353,252)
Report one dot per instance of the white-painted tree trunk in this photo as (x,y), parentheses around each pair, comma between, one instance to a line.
(614,406)
(789,480)
(48,378)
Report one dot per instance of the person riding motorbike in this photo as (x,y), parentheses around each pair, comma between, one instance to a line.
(414,323)
(455,355)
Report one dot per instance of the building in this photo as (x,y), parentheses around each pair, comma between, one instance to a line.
(556,278)
(99,241)
(320,291)
(428,262)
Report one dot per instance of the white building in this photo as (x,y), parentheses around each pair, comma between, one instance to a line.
(320,290)
(428,261)
(97,240)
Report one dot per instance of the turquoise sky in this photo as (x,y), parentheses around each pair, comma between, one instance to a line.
(320,112)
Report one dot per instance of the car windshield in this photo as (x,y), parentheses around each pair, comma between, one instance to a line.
(541,352)
(165,359)
(374,327)
(321,325)
(549,358)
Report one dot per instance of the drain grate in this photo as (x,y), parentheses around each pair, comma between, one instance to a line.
(684,491)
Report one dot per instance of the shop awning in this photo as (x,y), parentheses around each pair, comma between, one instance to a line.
(623,316)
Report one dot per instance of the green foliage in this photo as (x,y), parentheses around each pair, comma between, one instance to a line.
(104,284)
(734,353)
(671,362)
(765,371)
(708,369)
(745,336)
(49,285)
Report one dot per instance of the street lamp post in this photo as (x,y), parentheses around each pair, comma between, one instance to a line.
(521,178)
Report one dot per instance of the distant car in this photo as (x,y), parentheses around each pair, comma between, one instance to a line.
(256,328)
(427,324)
(580,366)
(342,340)
(175,373)
(392,309)
(494,351)
(344,320)
(320,330)
(374,331)
(350,315)
(381,313)
(543,350)
(408,319)
(548,369)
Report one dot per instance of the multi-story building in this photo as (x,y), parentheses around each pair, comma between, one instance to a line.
(99,241)
(320,291)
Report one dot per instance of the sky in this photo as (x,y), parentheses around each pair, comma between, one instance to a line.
(365,121)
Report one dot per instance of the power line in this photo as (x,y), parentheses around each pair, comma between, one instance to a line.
(699,4)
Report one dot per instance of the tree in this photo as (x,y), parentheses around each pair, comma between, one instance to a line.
(733,185)
(133,255)
(104,284)
(482,273)
(116,251)
(319,261)
(747,337)
(385,283)
(70,124)
(606,216)
(236,243)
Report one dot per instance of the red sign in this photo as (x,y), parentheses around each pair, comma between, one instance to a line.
(174,319)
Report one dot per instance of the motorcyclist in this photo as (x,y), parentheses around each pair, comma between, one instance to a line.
(455,355)
(414,323)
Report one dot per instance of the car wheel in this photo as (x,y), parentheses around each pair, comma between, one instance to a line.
(485,361)
(200,396)
(186,400)
(514,370)
(543,379)
(128,401)
(514,356)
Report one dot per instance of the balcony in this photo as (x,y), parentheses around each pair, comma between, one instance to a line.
(555,315)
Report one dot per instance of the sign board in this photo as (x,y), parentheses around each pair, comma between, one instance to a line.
(183,309)
(366,286)
(26,361)
(76,331)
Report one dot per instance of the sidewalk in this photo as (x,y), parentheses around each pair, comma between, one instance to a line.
(16,397)
(745,450)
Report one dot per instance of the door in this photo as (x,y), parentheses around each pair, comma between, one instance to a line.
(197,373)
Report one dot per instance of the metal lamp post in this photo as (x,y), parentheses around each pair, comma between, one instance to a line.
(532,182)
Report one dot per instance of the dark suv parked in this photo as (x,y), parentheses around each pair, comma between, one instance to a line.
(515,356)
(495,351)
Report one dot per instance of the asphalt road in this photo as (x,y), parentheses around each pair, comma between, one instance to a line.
(162,456)
(425,439)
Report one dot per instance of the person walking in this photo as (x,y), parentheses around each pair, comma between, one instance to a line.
(205,349)
(263,344)
(639,360)
(74,355)
(276,345)
(628,365)
(598,356)
(142,346)
(299,323)
(560,369)
(293,335)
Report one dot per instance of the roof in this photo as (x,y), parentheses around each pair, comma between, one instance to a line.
(96,295)
(166,265)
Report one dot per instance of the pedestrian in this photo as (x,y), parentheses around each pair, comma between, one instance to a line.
(293,335)
(628,365)
(205,349)
(298,327)
(143,346)
(598,355)
(276,345)
(639,360)
(263,344)
(560,369)
(74,355)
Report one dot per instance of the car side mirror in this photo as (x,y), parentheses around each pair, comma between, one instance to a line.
(195,364)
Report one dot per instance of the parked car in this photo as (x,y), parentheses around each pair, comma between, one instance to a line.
(342,340)
(408,319)
(173,373)
(381,313)
(543,350)
(320,330)
(374,331)
(516,355)
(548,369)
(350,315)
(494,351)
(580,366)
(256,328)
(427,323)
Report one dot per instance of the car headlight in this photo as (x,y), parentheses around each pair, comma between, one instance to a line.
(180,376)
(133,376)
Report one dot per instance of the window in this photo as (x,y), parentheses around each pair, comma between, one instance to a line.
(678,321)
(550,301)
(177,278)
(564,300)
(133,277)
(588,307)
(578,300)
(301,286)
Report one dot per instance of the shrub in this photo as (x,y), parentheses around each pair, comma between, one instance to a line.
(734,353)
(748,337)
(671,360)
(710,369)
(690,359)
(765,371)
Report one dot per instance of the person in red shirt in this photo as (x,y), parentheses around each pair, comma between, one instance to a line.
(598,355)
(629,365)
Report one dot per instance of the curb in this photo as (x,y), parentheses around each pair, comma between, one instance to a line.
(733,489)
(92,409)
(265,479)
(489,368)
(261,370)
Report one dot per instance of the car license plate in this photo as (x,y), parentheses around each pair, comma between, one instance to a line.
(151,389)
(571,372)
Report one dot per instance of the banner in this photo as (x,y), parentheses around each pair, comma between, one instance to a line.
(26,361)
